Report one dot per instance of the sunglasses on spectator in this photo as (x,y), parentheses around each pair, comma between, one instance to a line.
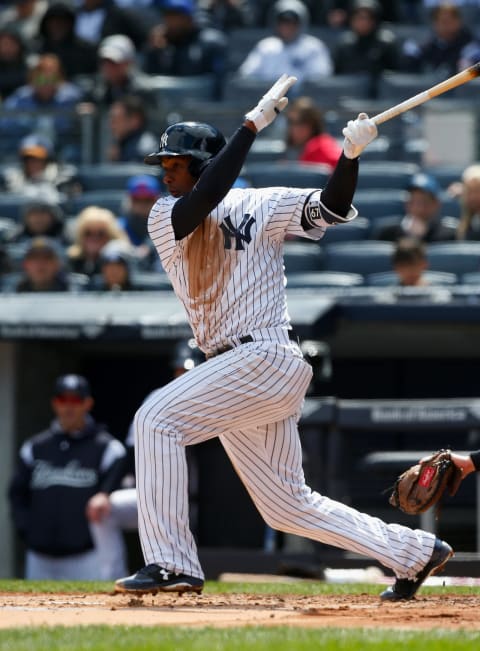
(69,399)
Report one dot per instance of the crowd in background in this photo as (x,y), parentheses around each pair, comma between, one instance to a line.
(61,60)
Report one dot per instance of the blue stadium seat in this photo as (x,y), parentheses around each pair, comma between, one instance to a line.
(108,176)
(329,91)
(313,279)
(11,205)
(110,199)
(456,257)
(302,256)
(471,278)
(385,278)
(385,175)
(397,86)
(375,204)
(358,229)
(364,257)
(292,174)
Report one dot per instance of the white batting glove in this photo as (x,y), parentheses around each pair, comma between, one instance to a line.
(358,134)
(271,103)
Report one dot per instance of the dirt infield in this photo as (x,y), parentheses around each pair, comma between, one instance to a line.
(447,611)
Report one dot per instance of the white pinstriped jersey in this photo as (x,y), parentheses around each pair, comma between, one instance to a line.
(229,272)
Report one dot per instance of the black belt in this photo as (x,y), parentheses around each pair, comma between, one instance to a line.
(246,340)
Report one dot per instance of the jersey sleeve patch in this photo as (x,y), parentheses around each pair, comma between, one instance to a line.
(316,215)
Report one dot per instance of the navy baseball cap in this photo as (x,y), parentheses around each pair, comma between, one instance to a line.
(425,182)
(72,384)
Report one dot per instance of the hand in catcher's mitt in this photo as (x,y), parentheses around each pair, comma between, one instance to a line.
(423,485)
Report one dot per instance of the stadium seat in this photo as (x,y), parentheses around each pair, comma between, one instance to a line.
(329,91)
(358,229)
(265,174)
(385,175)
(390,278)
(455,257)
(108,176)
(375,204)
(313,279)
(169,91)
(11,205)
(364,257)
(110,199)
(398,86)
(302,256)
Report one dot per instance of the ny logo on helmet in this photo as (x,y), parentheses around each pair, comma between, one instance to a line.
(240,234)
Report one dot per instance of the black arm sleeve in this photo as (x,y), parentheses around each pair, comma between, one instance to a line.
(338,193)
(212,186)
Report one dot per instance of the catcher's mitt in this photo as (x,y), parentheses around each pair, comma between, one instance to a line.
(423,485)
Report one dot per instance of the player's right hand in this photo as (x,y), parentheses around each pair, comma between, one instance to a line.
(358,134)
(271,103)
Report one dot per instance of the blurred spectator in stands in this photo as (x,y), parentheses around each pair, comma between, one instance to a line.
(470,8)
(47,91)
(409,262)
(469,197)
(118,74)
(40,218)
(366,46)
(263,11)
(43,269)
(131,140)
(179,46)
(94,227)
(226,14)
(306,138)
(25,16)
(115,263)
(57,36)
(13,61)
(338,12)
(289,49)
(422,219)
(38,174)
(143,190)
(96,19)
(450,47)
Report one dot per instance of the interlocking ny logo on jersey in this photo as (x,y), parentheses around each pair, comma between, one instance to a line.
(240,234)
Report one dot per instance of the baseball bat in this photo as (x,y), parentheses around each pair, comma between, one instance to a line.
(452,82)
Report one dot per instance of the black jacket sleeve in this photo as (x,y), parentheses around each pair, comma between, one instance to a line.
(19,497)
(212,186)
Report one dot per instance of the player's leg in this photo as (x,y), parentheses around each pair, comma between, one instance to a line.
(268,460)
(238,389)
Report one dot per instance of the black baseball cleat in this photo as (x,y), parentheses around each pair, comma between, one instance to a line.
(407,588)
(153,579)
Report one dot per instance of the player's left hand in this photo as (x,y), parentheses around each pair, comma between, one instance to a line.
(358,134)
(272,103)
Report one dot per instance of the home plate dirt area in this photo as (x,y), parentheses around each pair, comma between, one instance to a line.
(446,611)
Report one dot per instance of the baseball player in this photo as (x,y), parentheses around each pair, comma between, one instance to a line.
(222,249)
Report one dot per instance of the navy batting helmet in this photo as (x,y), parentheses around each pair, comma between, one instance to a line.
(196,139)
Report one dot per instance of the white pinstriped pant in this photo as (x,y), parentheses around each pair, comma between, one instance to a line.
(250,397)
